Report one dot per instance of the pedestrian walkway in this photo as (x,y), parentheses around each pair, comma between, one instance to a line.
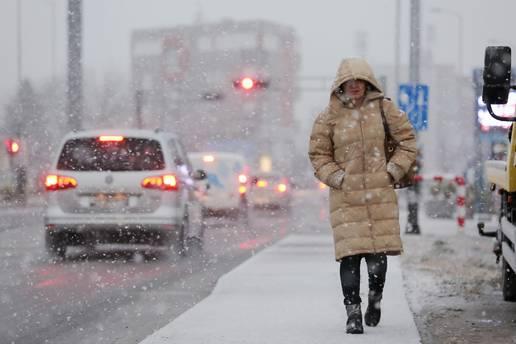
(289,293)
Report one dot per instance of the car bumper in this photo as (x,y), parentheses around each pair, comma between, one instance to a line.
(84,234)
(163,216)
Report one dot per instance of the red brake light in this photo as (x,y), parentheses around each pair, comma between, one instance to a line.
(166,182)
(54,182)
(281,187)
(111,138)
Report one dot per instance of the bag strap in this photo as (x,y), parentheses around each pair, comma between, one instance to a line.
(384,120)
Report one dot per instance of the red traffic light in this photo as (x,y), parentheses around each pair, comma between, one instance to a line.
(12,146)
(248,83)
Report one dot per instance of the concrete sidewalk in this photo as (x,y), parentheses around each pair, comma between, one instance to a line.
(289,293)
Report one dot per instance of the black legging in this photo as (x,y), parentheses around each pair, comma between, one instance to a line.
(350,275)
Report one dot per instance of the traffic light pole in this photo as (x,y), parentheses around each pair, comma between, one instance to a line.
(138,100)
(17,171)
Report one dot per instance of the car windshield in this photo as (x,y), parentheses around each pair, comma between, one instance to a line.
(130,154)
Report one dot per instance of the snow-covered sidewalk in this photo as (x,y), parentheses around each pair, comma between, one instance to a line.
(289,293)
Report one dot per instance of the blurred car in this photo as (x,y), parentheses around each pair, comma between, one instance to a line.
(224,191)
(121,187)
(270,191)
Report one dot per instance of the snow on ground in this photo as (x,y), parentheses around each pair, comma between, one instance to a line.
(289,293)
(453,284)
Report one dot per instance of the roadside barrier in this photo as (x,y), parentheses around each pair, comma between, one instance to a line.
(460,192)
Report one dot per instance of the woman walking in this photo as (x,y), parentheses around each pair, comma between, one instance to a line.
(347,151)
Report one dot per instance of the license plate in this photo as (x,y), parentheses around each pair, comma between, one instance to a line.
(111,200)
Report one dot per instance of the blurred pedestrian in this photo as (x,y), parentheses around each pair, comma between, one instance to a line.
(347,151)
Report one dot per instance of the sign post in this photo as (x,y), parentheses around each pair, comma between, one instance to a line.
(413,100)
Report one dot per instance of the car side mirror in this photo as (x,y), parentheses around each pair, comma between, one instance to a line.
(199,175)
(497,75)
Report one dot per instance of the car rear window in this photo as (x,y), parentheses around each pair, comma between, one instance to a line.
(130,154)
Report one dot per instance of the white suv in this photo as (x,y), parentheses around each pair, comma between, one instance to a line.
(122,187)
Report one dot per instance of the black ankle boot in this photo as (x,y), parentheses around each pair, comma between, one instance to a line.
(373,311)
(354,323)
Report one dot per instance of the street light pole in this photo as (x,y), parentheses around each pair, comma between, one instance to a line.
(412,226)
(74,91)
(53,54)
(19,40)
(397,45)
(460,35)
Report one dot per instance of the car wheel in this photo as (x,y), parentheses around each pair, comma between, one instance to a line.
(55,245)
(508,282)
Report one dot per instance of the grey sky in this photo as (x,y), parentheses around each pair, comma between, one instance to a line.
(326,29)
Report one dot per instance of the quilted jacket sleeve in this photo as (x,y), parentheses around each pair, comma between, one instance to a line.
(402,131)
(320,152)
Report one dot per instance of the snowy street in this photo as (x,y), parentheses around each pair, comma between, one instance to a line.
(90,297)
(267,172)
(289,291)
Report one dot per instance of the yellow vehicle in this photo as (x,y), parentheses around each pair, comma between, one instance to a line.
(502,174)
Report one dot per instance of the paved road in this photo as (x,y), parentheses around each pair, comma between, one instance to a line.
(119,296)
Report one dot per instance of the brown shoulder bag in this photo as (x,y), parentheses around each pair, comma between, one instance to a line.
(390,147)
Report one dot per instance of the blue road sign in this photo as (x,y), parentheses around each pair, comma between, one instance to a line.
(413,99)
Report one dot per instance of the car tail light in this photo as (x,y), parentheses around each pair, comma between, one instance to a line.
(242,179)
(111,138)
(167,182)
(261,183)
(281,188)
(55,182)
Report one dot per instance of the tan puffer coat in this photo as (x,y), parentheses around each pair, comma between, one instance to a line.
(347,153)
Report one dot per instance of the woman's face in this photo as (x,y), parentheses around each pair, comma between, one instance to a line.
(355,89)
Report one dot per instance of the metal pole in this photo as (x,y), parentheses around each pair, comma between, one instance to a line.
(414,41)
(460,36)
(397,61)
(19,40)
(461,43)
(53,26)
(414,77)
(74,91)
(138,99)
